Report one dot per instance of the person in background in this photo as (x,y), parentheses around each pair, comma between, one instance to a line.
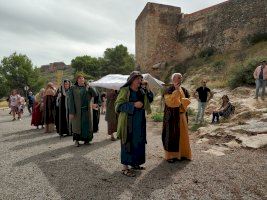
(131,104)
(111,116)
(260,76)
(63,124)
(175,136)
(204,95)
(104,103)
(49,108)
(21,106)
(225,110)
(37,113)
(96,105)
(30,102)
(80,96)
(13,103)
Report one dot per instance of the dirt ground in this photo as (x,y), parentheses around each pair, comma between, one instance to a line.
(35,165)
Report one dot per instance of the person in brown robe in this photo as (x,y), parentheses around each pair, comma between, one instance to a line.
(111,116)
(49,108)
(175,136)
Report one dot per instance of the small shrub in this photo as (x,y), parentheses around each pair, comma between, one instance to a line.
(195,127)
(256,38)
(243,75)
(218,66)
(157,117)
(207,52)
(191,112)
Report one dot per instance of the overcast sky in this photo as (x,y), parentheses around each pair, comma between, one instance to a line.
(59,30)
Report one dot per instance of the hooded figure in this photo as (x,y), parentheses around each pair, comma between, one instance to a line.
(131,104)
(62,119)
(49,108)
(80,96)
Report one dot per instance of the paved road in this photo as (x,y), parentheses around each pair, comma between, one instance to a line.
(35,165)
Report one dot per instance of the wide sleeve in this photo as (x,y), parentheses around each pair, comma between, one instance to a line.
(92,92)
(122,104)
(173,100)
(71,103)
(127,107)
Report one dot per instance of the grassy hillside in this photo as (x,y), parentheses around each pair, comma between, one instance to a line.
(55,76)
(219,69)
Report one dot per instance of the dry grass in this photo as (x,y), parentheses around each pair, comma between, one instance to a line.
(3,104)
(201,68)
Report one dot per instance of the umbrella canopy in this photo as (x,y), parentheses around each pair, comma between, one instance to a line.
(116,81)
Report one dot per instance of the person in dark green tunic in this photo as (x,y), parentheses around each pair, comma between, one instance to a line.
(131,104)
(80,111)
(111,116)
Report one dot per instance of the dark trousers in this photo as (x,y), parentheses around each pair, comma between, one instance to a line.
(216,116)
(30,107)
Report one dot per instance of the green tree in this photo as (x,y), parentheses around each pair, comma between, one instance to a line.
(86,64)
(4,89)
(118,60)
(17,71)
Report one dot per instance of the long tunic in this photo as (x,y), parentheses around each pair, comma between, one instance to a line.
(49,109)
(133,152)
(175,136)
(63,115)
(96,113)
(111,116)
(79,106)
(37,112)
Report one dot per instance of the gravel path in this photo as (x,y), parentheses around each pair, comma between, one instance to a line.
(35,165)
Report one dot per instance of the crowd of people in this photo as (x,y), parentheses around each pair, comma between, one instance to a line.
(75,110)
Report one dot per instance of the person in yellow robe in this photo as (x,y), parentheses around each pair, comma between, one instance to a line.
(175,136)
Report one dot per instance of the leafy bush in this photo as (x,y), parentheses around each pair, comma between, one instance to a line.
(207,52)
(157,117)
(191,112)
(256,38)
(243,75)
(218,66)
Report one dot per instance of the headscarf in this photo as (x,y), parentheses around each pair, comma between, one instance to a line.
(62,88)
(132,77)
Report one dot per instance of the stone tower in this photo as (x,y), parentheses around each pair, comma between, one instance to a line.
(155,32)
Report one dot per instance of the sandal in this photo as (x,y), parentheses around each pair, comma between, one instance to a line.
(138,167)
(127,172)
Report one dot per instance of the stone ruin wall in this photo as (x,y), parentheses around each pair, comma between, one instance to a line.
(154,26)
(164,34)
(222,27)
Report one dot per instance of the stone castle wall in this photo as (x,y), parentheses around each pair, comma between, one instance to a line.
(154,26)
(164,34)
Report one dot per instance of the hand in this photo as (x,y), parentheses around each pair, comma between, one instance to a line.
(71,116)
(95,106)
(138,104)
(176,86)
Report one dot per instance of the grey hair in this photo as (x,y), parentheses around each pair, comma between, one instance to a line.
(176,74)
